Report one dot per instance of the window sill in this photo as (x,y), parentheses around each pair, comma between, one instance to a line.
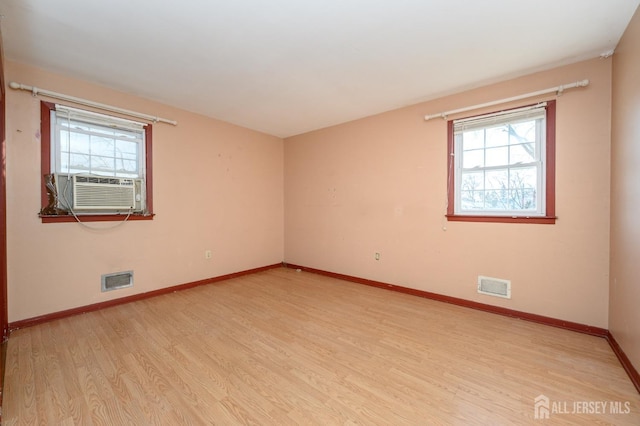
(95,218)
(544,220)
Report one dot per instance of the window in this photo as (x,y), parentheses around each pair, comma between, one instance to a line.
(79,142)
(502,166)
(96,144)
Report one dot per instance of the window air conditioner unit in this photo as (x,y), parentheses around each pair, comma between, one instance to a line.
(99,193)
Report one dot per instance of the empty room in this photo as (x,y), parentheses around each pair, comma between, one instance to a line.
(327,213)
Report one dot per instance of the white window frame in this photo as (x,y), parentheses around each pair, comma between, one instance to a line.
(487,121)
(64,114)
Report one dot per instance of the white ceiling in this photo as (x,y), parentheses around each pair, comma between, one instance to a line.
(286,67)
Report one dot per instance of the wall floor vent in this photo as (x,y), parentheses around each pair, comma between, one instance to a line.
(494,287)
(117,280)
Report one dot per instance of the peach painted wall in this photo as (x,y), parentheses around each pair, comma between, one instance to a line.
(624,306)
(216,186)
(379,185)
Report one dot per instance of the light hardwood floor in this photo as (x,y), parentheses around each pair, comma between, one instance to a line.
(284,347)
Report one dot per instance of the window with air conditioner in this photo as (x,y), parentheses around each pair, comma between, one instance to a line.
(98,164)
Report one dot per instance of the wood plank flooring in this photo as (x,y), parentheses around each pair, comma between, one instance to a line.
(282,347)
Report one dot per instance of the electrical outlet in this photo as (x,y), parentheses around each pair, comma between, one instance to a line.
(377,256)
(208,254)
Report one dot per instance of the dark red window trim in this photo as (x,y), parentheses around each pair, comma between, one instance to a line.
(550,189)
(45,166)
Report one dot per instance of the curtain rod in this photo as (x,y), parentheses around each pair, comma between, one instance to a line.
(558,90)
(36,91)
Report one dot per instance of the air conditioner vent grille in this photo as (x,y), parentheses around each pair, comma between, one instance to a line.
(102,197)
(94,192)
(104,180)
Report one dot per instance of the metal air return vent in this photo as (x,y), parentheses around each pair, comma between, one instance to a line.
(494,287)
(117,280)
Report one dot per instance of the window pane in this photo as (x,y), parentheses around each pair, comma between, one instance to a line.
(522,153)
(63,140)
(497,136)
(522,184)
(472,200)
(497,199)
(102,163)
(126,149)
(81,161)
(471,159)
(523,132)
(473,140)
(75,161)
(497,156)
(472,181)
(102,146)
(79,143)
(497,179)
(522,199)
(126,166)
(521,179)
